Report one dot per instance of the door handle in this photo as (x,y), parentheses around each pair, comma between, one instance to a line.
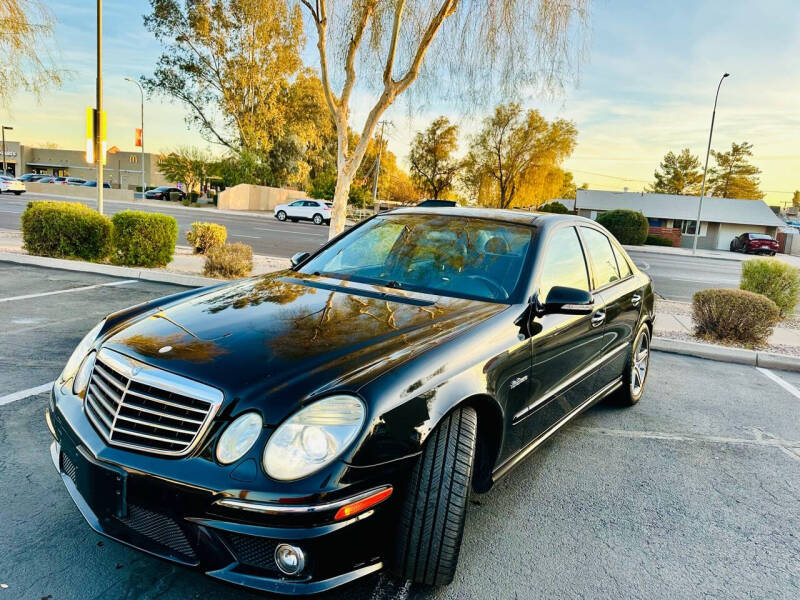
(598,318)
(636,299)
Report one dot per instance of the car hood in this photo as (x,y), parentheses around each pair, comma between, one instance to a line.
(272,342)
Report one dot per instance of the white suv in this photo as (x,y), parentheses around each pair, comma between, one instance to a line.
(318,211)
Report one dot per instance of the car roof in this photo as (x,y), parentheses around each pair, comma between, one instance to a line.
(497,214)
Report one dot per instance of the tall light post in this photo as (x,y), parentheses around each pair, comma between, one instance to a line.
(5,128)
(705,170)
(98,149)
(141,93)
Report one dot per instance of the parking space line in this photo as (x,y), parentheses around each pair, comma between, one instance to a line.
(255,237)
(34,391)
(781,382)
(68,290)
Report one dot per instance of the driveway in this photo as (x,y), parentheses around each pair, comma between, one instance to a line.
(694,492)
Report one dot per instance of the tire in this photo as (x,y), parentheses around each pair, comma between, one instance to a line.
(281,216)
(732,249)
(317,219)
(435,505)
(630,393)
(772,253)
(17,193)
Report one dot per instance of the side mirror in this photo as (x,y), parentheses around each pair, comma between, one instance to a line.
(568,301)
(299,257)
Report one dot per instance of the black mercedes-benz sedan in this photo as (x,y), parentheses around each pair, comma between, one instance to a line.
(295,431)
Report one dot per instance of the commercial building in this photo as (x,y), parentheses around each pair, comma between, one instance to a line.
(675,216)
(123,170)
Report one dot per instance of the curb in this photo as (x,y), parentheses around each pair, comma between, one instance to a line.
(112,270)
(649,250)
(742,356)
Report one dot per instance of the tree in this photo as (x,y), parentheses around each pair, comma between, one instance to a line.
(678,174)
(26,26)
(188,165)
(796,199)
(475,46)
(433,166)
(236,66)
(569,189)
(734,176)
(514,160)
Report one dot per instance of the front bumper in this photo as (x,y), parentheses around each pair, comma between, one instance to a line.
(178,520)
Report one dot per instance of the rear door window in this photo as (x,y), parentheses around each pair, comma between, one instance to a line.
(604,265)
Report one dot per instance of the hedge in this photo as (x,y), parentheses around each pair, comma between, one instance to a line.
(734,316)
(657,240)
(553,207)
(204,236)
(628,226)
(229,261)
(66,230)
(144,239)
(778,281)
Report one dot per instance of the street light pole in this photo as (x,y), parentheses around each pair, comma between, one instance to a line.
(141,93)
(5,128)
(705,170)
(98,148)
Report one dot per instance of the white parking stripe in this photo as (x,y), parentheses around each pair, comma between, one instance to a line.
(39,389)
(68,290)
(781,382)
(255,237)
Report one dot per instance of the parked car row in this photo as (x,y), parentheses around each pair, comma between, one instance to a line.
(163,193)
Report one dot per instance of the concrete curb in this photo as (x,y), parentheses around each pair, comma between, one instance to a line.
(658,250)
(112,270)
(742,356)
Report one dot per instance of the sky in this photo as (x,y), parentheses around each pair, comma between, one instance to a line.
(647,86)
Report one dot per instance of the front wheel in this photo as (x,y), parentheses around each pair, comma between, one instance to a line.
(317,219)
(435,505)
(281,216)
(636,369)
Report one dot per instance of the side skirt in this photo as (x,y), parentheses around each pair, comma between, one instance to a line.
(524,452)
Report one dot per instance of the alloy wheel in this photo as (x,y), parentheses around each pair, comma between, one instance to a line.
(641,361)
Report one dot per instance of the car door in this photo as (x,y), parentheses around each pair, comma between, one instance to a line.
(564,346)
(622,294)
(295,210)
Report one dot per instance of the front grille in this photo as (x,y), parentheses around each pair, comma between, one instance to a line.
(161,530)
(254,551)
(137,406)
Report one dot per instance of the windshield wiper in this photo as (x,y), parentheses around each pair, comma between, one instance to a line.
(393,284)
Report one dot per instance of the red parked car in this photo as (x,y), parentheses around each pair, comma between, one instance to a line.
(756,243)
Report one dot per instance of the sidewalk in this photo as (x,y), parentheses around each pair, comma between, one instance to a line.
(715,254)
(674,320)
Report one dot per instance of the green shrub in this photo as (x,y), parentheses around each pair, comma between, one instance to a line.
(734,316)
(553,207)
(775,279)
(186,202)
(144,239)
(657,240)
(628,226)
(204,236)
(66,230)
(229,261)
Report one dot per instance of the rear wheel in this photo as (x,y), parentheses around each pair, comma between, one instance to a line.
(317,219)
(636,368)
(18,193)
(281,216)
(432,517)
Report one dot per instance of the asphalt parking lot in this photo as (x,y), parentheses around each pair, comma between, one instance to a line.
(693,493)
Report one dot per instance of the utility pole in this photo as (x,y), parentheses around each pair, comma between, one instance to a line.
(6,128)
(705,170)
(378,169)
(98,148)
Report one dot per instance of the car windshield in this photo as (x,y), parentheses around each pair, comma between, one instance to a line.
(447,255)
(759,236)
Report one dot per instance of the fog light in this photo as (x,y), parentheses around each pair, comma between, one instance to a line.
(290,559)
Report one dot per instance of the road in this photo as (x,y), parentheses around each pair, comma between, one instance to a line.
(674,277)
(265,234)
(692,493)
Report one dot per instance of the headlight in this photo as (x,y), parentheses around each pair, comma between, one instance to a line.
(239,437)
(313,437)
(81,381)
(80,352)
